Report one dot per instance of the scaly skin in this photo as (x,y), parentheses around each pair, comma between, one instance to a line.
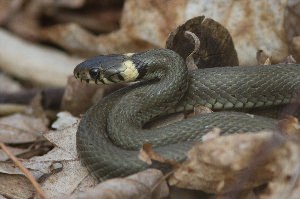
(110,134)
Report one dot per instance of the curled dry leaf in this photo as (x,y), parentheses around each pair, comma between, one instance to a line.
(146,184)
(190,62)
(235,162)
(268,61)
(289,60)
(290,126)
(252,24)
(147,154)
(262,58)
(216,46)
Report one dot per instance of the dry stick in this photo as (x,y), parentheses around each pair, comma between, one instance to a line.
(24,170)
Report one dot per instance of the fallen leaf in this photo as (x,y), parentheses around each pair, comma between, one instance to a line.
(16,151)
(216,45)
(234,162)
(147,154)
(145,184)
(262,58)
(19,128)
(15,187)
(252,24)
(64,120)
(78,102)
(289,126)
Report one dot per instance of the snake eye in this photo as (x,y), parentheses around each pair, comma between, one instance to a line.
(94,73)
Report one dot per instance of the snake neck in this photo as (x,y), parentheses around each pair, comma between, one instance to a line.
(166,82)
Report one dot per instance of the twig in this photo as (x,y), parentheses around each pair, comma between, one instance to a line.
(24,170)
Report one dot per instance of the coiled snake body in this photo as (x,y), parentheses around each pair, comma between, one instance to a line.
(111,133)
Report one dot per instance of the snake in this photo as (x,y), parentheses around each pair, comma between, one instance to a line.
(112,132)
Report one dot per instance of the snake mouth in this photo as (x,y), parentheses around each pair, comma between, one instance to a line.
(87,75)
(99,76)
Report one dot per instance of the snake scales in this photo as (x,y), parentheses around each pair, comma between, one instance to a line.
(111,133)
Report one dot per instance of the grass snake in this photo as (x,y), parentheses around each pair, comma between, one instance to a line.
(111,133)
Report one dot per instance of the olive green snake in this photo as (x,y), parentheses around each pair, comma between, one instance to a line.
(112,132)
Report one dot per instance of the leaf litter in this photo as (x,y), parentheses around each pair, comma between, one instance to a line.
(227,166)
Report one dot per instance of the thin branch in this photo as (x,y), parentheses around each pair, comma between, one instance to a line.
(24,170)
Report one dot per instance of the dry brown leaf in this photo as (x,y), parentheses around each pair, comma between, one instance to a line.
(146,184)
(15,187)
(70,176)
(234,162)
(252,24)
(78,102)
(59,171)
(290,126)
(147,154)
(19,128)
(216,49)
(201,110)
(286,166)
(262,58)
(62,171)
(15,151)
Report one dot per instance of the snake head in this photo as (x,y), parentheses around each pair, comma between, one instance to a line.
(107,69)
